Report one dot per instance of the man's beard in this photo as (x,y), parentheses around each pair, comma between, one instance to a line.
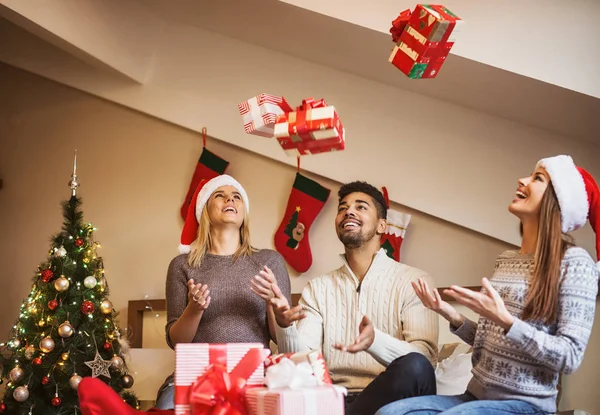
(353,240)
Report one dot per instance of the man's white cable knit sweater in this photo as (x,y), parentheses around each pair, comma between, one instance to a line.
(334,306)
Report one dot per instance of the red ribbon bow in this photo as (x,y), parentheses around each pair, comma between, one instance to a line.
(399,24)
(309,103)
(217,392)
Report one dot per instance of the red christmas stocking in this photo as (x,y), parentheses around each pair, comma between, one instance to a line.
(397,222)
(209,166)
(97,398)
(291,239)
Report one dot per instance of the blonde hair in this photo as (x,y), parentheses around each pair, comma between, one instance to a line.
(203,243)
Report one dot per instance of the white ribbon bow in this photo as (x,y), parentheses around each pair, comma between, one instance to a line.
(287,374)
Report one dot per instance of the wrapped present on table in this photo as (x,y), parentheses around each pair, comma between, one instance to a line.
(292,389)
(426,40)
(312,357)
(259,113)
(214,377)
(314,127)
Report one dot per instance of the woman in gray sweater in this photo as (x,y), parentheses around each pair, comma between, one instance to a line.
(209,296)
(537,311)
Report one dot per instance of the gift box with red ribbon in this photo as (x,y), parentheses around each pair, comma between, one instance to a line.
(292,389)
(213,378)
(259,113)
(314,127)
(312,357)
(423,39)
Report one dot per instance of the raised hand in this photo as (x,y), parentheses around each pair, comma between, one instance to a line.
(198,295)
(432,300)
(263,284)
(489,304)
(366,336)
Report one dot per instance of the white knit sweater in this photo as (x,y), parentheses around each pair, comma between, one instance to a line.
(334,308)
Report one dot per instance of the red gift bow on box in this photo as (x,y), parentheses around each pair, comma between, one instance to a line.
(399,24)
(301,127)
(217,392)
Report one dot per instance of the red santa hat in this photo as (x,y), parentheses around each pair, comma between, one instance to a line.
(203,192)
(578,195)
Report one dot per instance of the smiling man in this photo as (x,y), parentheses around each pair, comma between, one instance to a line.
(377,338)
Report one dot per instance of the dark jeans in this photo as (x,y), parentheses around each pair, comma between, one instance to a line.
(406,377)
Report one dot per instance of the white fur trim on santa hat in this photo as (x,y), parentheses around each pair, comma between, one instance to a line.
(184,249)
(570,191)
(212,185)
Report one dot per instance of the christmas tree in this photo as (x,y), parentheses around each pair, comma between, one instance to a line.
(289,229)
(66,328)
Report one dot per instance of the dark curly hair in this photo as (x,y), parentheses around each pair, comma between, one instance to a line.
(366,188)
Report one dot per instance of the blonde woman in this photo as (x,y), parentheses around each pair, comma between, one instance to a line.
(209,293)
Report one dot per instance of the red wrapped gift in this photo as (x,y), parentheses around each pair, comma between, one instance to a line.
(259,113)
(311,147)
(313,120)
(214,377)
(426,41)
(313,357)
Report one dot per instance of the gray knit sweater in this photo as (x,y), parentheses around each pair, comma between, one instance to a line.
(235,314)
(524,363)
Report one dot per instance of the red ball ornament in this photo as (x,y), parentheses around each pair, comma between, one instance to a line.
(47,275)
(107,346)
(56,401)
(79,242)
(87,307)
(45,380)
(52,305)
(37,361)
(2,407)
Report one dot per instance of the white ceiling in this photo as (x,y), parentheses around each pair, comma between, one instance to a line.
(344,46)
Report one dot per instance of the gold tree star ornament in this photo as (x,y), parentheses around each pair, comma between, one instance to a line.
(99,366)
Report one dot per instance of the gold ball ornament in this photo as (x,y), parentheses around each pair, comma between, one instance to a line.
(47,344)
(61,284)
(65,330)
(42,323)
(117,363)
(16,374)
(29,352)
(65,356)
(74,381)
(90,282)
(127,381)
(106,306)
(21,394)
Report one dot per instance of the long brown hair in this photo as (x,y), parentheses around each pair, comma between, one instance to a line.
(542,299)
(203,243)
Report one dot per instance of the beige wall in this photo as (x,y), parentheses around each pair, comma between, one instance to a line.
(134,172)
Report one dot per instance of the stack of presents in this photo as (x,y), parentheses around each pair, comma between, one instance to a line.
(423,41)
(244,378)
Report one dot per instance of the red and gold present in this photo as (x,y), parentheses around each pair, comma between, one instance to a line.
(259,113)
(215,377)
(314,400)
(426,41)
(313,120)
(313,357)
(304,148)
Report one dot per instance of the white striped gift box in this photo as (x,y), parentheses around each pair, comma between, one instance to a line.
(315,400)
(260,112)
(192,359)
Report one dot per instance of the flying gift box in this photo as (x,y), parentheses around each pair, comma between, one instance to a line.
(314,127)
(426,38)
(259,113)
